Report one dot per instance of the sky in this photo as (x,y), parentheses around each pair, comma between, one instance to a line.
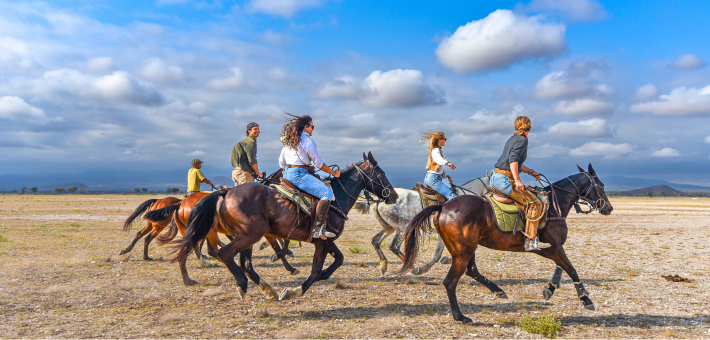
(148,86)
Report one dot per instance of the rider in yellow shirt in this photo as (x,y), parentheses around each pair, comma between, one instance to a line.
(195,177)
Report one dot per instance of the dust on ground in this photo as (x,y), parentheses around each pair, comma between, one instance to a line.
(62,278)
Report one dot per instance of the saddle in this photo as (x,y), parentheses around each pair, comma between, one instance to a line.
(509,216)
(429,196)
(302,199)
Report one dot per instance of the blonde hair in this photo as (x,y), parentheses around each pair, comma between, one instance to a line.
(522,125)
(432,139)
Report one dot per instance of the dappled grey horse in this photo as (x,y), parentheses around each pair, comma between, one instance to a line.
(394,218)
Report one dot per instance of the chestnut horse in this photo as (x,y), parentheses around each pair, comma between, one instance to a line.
(467,221)
(250,211)
(152,229)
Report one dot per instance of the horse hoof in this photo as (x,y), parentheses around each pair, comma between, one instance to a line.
(417,271)
(590,307)
(148,258)
(445,260)
(467,321)
(274,258)
(268,291)
(190,282)
(290,294)
(122,252)
(241,293)
(263,245)
(501,295)
(290,253)
(295,272)
(547,294)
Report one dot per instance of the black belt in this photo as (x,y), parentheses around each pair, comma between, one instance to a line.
(297,166)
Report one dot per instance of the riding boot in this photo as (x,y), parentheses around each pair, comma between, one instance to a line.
(533,211)
(320,221)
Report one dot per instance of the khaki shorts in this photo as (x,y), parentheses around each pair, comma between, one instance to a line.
(240,176)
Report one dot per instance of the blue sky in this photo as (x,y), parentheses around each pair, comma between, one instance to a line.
(103,85)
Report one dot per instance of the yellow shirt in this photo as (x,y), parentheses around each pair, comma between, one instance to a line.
(194,178)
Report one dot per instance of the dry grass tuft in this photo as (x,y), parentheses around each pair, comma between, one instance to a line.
(343,284)
(169,318)
(213,292)
(676,278)
(262,313)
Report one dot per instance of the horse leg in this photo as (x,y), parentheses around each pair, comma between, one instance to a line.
(472,271)
(321,252)
(377,241)
(397,243)
(149,238)
(284,247)
(554,283)
(148,228)
(458,268)
(212,242)
(338,256)
(278,253)
(437,255)
(227,254)
(563,262)
(246,265)
(280,247)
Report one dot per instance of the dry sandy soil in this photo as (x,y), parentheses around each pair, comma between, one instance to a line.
(62,278)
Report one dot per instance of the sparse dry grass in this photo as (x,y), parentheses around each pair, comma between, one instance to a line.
(63,278)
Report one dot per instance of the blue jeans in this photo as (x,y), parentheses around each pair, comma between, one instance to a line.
(308,183)
(501,182)
(435,182)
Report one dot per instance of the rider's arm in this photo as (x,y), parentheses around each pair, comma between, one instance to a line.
(256,170)
(530,172)
(282,159)
(329,171)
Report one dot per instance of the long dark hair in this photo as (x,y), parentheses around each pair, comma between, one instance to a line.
(293,129)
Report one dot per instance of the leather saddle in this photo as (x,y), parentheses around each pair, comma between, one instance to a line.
(427,191)
(499,196)
(291,188)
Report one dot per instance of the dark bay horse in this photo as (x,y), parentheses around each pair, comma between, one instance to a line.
(152,228)
(250,211)
(467,221)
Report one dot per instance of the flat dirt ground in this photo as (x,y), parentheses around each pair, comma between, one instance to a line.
(62,278)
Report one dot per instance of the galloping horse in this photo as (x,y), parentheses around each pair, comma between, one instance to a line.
(152,229)
(395,217)
(250,211)
(466,221)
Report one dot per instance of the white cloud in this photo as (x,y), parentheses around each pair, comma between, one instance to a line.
(707,139)
(607,150)
(687,62)
(15,108)
(125,142)
(128,152)
(236,80)
(646,92)
(99,64)
(394,88)
(666,152)
(284,8)
(548,151)
(500,40)
(583,107)
(580,10)
(15,54)
(156,70)
(561,85)
(196,153)
(680,102)
(591,128)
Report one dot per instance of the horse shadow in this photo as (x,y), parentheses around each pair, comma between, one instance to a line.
(644,321)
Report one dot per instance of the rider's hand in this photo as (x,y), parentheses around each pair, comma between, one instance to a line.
(260,175)
(336,173)
(536,175)
(451,181)
(519,185)
(452,166)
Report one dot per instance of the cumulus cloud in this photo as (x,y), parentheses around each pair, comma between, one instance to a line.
(666,152)
(607,150)
(99,64)
(158,71)
(578,10)
(284,8)
(575,82)
(125,142)
(15,108)
(196,153)
(583,107)
(500,40)
(687,62)
(15,54)
(11,142)
(233,81)
(681,101)
(591,128)
(646,92)
(548,151)
(707,139)
(395,88)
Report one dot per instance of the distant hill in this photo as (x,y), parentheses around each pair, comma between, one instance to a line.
(63,185)
(222,180)
(656,190)
(621,183)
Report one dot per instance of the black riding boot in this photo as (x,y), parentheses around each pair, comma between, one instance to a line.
(321,217)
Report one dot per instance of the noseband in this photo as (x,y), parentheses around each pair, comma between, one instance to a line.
(385,193)
(598,204)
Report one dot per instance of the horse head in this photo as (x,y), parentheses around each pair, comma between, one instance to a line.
(377,182)
(595,191)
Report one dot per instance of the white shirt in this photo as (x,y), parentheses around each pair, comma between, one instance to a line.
(306,154)
(438,159)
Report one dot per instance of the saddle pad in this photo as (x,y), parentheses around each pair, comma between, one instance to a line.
(427,200)
(506,215)
(297,199)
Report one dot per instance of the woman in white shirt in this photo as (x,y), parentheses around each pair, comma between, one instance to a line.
(300,151)
(435,164)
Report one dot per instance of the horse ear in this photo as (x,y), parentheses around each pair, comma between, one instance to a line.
(370,158)
(364,158)
(580,169)
(591,170)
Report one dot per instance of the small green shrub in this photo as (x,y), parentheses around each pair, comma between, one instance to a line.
(545,325)
(292,244)
(355,250)
(74,224)
(4,239)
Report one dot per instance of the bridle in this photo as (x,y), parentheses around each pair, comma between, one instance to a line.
(385,193)
(597,204)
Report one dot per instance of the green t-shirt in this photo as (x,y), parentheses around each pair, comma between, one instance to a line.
(194,178)
(244,154)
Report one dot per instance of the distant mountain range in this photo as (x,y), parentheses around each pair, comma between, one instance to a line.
(121,180)
(656,190)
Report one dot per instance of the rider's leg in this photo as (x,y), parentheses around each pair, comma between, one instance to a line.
(308,183)
(502,183)
(533,212)
(435,182)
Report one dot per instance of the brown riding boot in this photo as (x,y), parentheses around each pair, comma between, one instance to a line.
(320,219)
(533,211)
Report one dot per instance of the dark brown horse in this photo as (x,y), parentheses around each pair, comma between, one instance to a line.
(152,229)
(467,221)
(250,211)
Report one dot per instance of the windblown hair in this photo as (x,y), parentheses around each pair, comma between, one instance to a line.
(293,129)
(522,125)
(432,139)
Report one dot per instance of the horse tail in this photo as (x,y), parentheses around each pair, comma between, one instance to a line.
(199,224)
(141,209)
(162,214)
(165,238)
(412,234)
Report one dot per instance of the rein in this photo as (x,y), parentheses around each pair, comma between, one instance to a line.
(593,205)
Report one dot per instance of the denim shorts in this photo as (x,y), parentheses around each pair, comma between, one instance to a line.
(501,182)
(308,183)
(435,182)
